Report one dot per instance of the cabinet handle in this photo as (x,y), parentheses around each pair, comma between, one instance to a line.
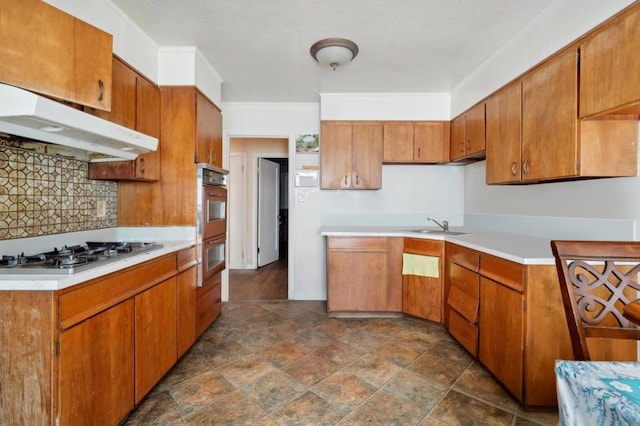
(466,146)
(345,181)
(142,166)
(419,153)
(514,168)
(525,167)
(101,87)
(461,147)
(357,181)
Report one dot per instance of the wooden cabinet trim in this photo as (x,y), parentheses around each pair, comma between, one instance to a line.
(357,243)
(208,307)
(186,258)
(424,247)
(463,256)
(505,272)
(464,332)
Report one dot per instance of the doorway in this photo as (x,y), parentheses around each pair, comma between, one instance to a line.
(258,242)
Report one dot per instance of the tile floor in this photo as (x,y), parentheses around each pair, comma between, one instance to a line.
(287,363)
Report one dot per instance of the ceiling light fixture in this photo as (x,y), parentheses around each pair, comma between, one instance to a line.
(334,51)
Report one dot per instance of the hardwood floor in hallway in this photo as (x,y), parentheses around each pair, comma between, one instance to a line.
(270,282)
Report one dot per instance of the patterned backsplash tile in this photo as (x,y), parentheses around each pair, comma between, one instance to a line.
(45,194)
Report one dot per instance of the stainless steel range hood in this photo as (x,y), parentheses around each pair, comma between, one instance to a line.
(26,114)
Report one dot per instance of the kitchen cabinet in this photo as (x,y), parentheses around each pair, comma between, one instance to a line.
(468,135)
(97,367)
(147,204)
(135,105)
(208,303)
(609,64)
(423,296)
(364,275)
(530,139)
(463,295)
(351,155)
(208,132)
(93,350)
(416,142)
(48,51)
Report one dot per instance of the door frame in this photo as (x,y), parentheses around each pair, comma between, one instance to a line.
(242,214)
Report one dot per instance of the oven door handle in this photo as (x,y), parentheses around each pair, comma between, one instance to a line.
(214,241)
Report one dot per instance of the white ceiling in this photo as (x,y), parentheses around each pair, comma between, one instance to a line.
(260,48)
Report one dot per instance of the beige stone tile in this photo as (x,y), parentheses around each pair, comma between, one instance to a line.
(415,388)
(344,391)
(285,329)
(189,366)
(397,353)
(387,327)
(363,340)
(339,353)
(385,409)
(223,354)
(438,369)
(372,369)
(311,369)
(282,353)
(419,339)
(449,411)
(308,409)
(197,392)
(245,370)
(273,390)
(477,382)
(233,409)
(256,341)
(311,340)
(158,409)
(541,416)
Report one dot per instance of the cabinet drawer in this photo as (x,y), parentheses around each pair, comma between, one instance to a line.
(208,307)
(359,244)
(186,259)
(464,292)
(464,332)
(101,294)
(503,271)
(463,256)
(425,247)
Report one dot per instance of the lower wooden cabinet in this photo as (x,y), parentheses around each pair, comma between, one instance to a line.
(364,274)
(96,368)
(208,303)
(92,351)
(423,296)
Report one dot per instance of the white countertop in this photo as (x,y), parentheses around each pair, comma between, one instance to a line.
(522,249)
(60,281)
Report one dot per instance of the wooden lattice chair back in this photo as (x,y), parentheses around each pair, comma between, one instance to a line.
(597,280)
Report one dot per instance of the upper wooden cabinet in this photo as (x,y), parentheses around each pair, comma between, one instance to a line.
(609,64)
(416,142)
(530,139)
(48,51)
(351,155)
(468,135)
(209,132)
(136,105)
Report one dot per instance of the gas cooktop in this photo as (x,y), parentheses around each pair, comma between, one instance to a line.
(70,259)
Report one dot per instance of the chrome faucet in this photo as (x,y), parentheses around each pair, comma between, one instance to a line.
(444,225)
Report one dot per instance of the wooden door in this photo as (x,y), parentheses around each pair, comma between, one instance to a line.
(458,138)
(366,155)
(609,64)
(155,335)
(550,119)
(502,334)
(335,155)
(186,309)
(398,142)
(96,368)
(503,126)
(205,128)
(475,128)
(148,122)
(430,142)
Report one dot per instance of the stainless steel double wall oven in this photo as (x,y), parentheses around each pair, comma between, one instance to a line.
(211,221)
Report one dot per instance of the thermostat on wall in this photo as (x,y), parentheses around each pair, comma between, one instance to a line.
(307,178)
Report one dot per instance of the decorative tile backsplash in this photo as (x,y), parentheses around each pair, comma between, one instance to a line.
(46,194)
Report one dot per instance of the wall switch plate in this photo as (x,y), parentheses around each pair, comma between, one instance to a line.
(300,197)
(101,208)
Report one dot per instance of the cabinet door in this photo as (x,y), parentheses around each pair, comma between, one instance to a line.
(502,334)
(216,142)
(475,123)
(123,96)
(549,119)
(186,309)
(206,119)
(503,126)
(148,122)
(609,64)
(398,142)
(366,156)
(48,51)
(335,155)
(430,142)
(96,368)
(155,335)
(458,138)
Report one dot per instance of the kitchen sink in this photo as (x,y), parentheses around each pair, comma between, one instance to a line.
(438,232)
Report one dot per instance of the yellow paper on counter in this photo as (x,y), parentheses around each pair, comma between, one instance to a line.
(422,266)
